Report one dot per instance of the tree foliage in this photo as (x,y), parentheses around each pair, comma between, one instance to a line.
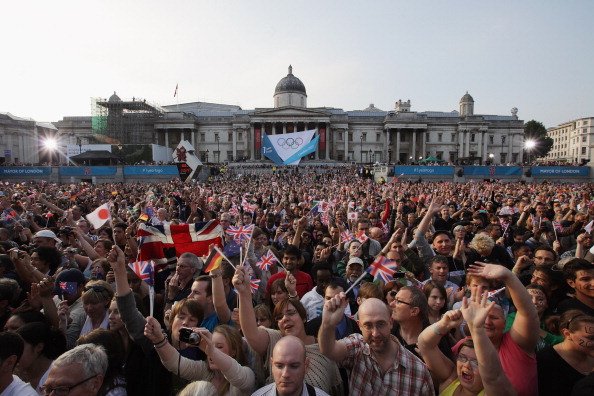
(536,131)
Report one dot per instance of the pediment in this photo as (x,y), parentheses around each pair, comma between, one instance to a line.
(289,112)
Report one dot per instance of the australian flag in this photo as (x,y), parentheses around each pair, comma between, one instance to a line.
(68,288)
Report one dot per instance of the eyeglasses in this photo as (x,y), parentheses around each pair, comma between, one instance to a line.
(379,325)
(288,314)
(63,390)
(98,289)
(183,266)
(464,359)
(403,302)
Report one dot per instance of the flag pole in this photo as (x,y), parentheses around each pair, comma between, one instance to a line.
(151,299)
(359,279)
(225,257)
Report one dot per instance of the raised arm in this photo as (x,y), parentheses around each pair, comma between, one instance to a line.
(332,315)
(257,338)
(218,295)
(526,327)
(443,370)
(475,312)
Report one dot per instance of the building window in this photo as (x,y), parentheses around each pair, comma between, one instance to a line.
(350,136)
(472,137)
(491,139)
(364,136)
(402,137)
(378,137)
(339,135)
(230,137)
(584,138)
(351,156)
(439,155)
(439,137)
(240,136)
(202,137)
(340,156)
(583,150)
(453,137)
(229,155)
(427,136)
(503,139)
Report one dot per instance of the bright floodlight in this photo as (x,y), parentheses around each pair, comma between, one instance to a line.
(50,144)
(529,144)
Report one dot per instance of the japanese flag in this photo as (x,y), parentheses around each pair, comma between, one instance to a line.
(99,216)
(353,215)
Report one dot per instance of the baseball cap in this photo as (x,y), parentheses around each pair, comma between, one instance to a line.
(355,260)
(47,234)
(69,275)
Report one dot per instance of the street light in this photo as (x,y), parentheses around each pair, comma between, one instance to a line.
(361,147)
(410,159)
(491,156)
(529,145)
(389,155)
(217,138)
(371,156)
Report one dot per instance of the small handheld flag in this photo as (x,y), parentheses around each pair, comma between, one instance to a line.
(254,285)
(68,288)
(382,268)
(144,270)
(214,260)
(266,261)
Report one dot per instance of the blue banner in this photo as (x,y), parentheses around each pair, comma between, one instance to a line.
(560,171)
(307,149)
(423,170)
(269,151)
(492,171)
(151,170)
(88,170)
(25,171)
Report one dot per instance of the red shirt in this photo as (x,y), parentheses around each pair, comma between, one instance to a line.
(304,282)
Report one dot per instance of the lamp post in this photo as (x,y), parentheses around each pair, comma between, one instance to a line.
(529,146)
(121,154)
(217,139)
(361,148)
(371,156)
(410,160)
(491,156)
(389,155)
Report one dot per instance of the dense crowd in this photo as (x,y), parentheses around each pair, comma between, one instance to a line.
(334,285)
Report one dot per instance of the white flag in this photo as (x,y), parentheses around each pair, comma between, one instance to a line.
(588,226)
(99,216)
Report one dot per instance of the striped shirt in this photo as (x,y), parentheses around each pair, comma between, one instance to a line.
(407,376)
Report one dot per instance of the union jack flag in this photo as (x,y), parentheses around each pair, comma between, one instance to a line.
(194,238)
(361,237)
(233,211)
(347,236)
(382,268)
(241,233)
(144,270)
(266,261)
(325,219)
(248,207)
(385,229)
(254,285)
(558,227)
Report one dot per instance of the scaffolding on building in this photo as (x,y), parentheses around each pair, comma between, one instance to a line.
(117,121)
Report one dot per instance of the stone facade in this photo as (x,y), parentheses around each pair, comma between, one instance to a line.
(573,140)
(21,140)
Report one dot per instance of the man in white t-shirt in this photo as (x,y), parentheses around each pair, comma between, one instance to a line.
(11,349)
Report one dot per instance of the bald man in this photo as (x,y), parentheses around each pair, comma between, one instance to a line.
(289,365)
(396,371)
(377,234)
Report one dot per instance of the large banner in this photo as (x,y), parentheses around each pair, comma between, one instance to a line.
(150,170)
(492,171)
(423,170)
(25,171)
(289,148)
(88,170)
(560,171)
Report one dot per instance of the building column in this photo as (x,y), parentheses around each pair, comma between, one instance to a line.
(193,137)
(387,145)
(486,146)
(510,147)
(479,147)
(252,142)
(182,135)
(327,127)
(424,145)
(234,135)
(166,137)
(397,153)
(346,144)
(284,128)
(467,145)
(460,144)
(413,154)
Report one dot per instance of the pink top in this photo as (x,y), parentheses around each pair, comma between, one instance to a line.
(519,367)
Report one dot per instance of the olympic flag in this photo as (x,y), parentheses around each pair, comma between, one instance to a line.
(289,148)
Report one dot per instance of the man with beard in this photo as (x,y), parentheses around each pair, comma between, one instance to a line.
(375,361)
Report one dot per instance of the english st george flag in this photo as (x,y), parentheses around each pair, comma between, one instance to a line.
(194,238)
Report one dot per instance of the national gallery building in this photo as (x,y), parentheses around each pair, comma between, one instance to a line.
(221,133)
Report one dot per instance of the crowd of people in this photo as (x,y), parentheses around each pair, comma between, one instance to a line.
(334,285)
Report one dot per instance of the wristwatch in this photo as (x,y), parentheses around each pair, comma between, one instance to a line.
(213,276)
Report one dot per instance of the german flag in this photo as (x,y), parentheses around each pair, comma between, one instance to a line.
(214,260)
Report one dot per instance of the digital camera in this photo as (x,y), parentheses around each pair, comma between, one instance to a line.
(188,336)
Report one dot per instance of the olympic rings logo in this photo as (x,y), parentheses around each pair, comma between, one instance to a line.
(289,143)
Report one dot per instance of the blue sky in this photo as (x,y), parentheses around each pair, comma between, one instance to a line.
(533,55)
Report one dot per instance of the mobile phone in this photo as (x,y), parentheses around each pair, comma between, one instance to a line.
(14,254)
(399,274)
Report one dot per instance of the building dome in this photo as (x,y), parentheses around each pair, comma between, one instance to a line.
(114,98)
(290,83)
(466,98)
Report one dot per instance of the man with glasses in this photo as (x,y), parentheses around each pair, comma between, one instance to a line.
(178,285)
(375,360)
(77,372)
(11,350)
